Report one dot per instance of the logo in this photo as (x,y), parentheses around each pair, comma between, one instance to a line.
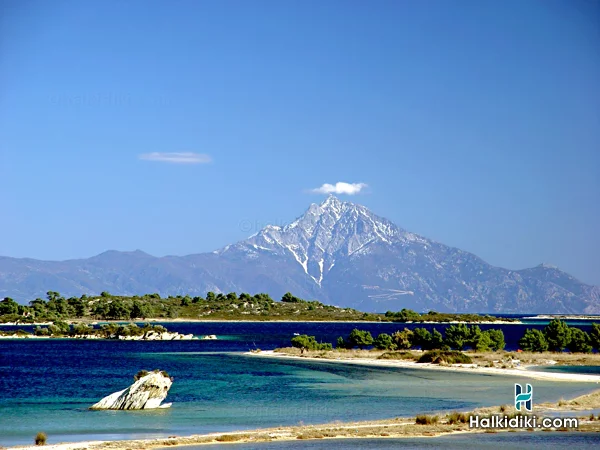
(523,398)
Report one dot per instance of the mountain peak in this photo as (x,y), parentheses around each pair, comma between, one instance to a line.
(331,202)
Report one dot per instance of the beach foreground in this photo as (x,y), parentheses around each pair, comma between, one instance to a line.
(390,428)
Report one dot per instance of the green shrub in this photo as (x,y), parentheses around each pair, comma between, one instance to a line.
(359,338)
(533,341)
(309,343)
(383,342)
(40,438)
(445,356)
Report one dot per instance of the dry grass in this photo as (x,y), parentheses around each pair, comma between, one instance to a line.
(426,420)
(401,355)
(456,417)
(497,359)
(583,402)
(232,437)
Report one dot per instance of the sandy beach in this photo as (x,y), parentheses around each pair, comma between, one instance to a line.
(523,371)
(388,428)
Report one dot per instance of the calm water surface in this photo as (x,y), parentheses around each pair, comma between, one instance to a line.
(505,441)
(48,385)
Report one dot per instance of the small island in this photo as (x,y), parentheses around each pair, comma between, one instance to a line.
(129,332)
(212,307)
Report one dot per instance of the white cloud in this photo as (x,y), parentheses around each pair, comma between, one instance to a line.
(340,188)
(177,157)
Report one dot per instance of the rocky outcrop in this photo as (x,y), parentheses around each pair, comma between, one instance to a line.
(148,392)
(159,336)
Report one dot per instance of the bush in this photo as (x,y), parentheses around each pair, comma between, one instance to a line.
(359,338)
(456,417)
(40,438)
(445,356)
(231,437)
(424,419)
(383,342)
(306,342)
(403,339)
(397,355)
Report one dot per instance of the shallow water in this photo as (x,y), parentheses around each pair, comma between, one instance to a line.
(506,441)
(47,385)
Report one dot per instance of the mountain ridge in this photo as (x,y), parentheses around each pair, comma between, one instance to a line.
(337,252)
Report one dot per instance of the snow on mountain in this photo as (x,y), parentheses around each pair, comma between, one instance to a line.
(337,252)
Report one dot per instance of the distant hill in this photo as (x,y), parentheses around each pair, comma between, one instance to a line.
(337,252)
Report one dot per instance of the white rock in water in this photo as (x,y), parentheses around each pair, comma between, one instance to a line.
(146,393)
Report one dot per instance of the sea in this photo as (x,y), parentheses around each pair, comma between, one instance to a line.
(49,384)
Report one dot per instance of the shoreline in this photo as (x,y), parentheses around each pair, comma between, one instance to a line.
(464,368)
(160,320)
(398,427)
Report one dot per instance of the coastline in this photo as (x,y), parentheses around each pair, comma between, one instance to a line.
(178,320)
(465,368)
(398,427)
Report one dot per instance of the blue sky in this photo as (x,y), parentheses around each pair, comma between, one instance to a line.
(475,123)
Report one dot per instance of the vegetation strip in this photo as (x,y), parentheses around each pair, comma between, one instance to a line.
(213,306)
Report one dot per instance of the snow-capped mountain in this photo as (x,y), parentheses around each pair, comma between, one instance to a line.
(337,252)
(325,233)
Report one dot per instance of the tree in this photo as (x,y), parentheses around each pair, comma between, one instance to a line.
(232,296)
(289,298)
(421,338)
(78,306)
(457,336)
(360,338)
(403,339)
(52,295)
(533,341)
(383,342)
(595,336)
(81,329)
(580,341)
(306,342)
(139,310)
(497,338)
(475,338)
(185,301)
(100,310)
(481,342)
(105,294)
(8,306)
(210,296)
(341,343)
(558,335)
(437,340)
(117,310)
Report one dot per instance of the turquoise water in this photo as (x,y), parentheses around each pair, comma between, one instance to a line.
(48,385)
(506,441)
